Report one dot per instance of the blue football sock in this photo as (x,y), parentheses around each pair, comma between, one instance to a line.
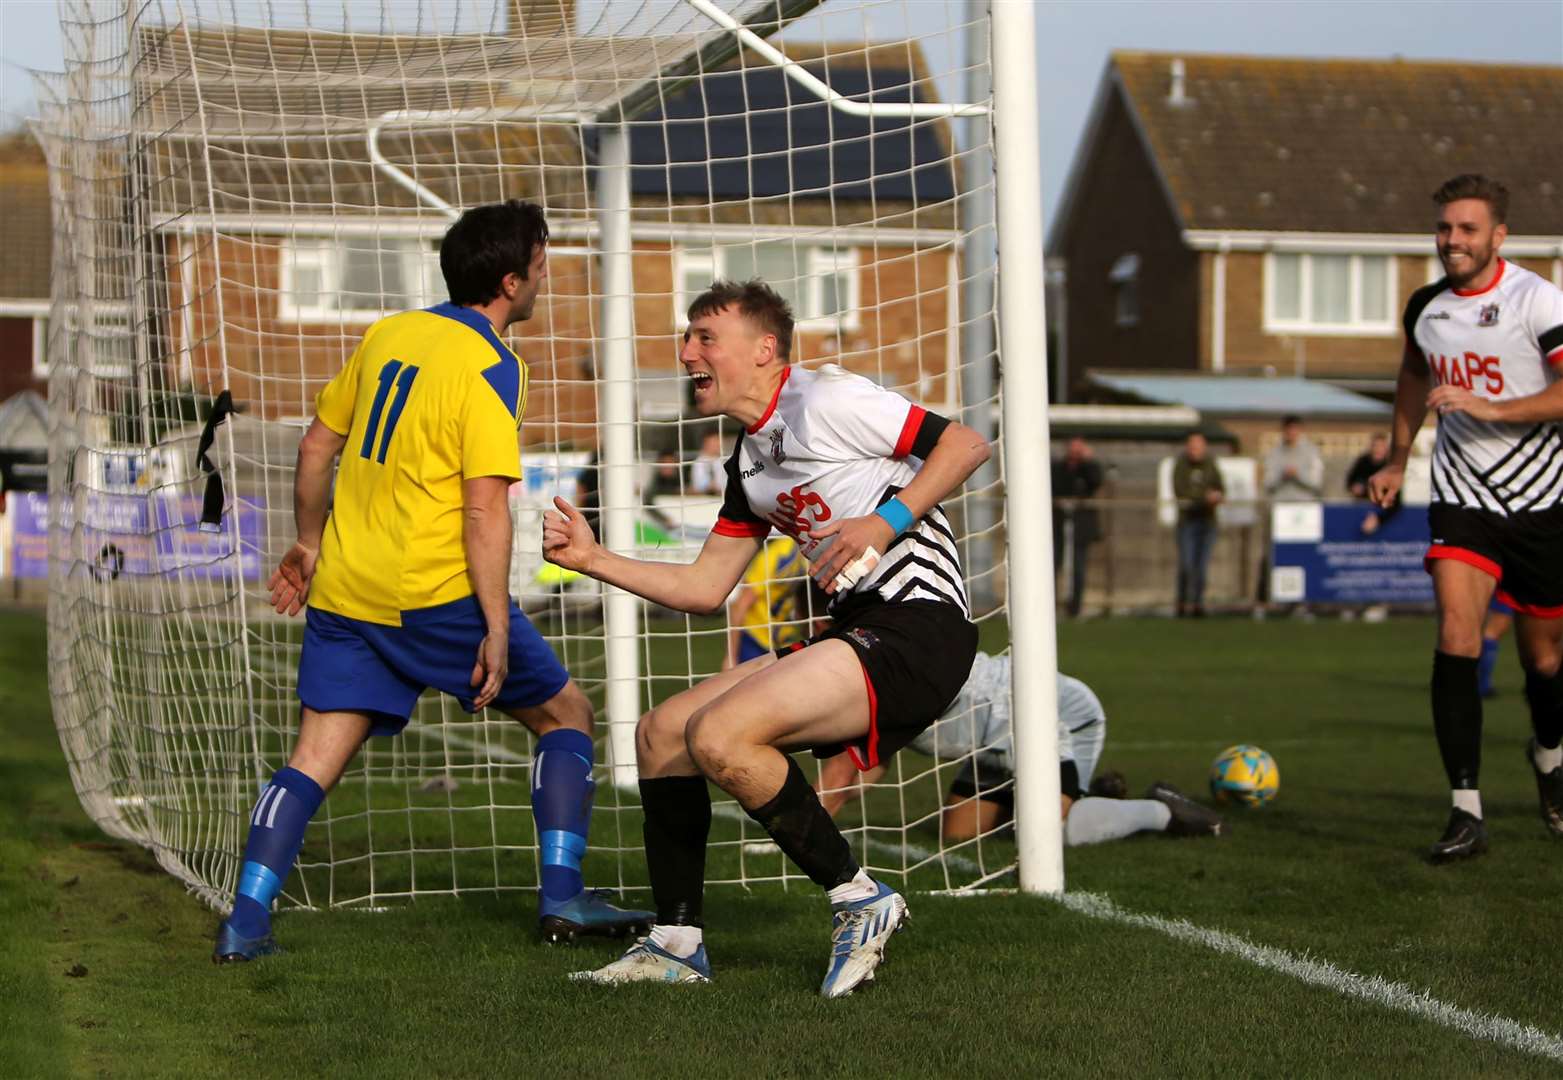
(562,790)
(276,834)
(1485,666)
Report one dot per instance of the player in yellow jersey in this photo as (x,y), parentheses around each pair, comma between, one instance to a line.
(405,572)
(765,613)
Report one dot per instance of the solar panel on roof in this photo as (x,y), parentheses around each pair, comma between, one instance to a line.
(756,134)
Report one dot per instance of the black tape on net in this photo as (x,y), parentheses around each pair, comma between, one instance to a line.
(212,502)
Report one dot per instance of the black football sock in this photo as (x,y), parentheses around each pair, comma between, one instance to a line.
(1457,718)
(1545,695)
(677,825)
(805,833)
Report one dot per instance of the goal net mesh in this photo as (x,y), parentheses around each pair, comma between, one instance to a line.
(241,188)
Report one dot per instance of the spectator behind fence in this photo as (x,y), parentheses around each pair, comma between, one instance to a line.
(708,475)
(1372,460)
(1196,484)
(1076,524)
(1294,470)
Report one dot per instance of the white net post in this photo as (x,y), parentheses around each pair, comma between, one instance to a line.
(1028,477)
(621,611)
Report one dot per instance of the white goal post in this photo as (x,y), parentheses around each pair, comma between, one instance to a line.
(240,188)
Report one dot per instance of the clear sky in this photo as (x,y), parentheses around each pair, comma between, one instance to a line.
(1073,41)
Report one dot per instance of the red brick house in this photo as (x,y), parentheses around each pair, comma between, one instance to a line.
(1233,213)
(26,239)
(275,252)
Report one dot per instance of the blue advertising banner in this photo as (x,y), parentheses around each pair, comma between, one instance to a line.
(137,535)
(1329,553)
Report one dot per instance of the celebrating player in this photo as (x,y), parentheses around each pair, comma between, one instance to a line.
(407,578)
(828,458)
(977,728)
(1487,338)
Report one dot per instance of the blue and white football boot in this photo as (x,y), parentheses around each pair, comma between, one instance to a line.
(231,948)
(646,962)
(588,912)
(858,933)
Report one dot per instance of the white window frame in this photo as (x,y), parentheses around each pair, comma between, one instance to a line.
(1356,326)
(1125,280)
(818,260)
(40,346)
(420,266)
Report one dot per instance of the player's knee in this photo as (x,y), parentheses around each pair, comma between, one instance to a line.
(659,733)
(1459,637)
(707,740)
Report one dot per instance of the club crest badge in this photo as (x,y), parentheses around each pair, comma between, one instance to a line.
(866,638)
(778,455)
(1488,315)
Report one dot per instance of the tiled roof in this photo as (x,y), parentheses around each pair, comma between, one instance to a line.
(1242,394)
(1346,146)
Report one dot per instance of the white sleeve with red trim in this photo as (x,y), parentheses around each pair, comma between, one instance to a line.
(862,418)
(1546,321)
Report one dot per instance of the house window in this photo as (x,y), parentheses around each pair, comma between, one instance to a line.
(821,283)
(1125,279)
(41,347)
(356,279)
(1318,293)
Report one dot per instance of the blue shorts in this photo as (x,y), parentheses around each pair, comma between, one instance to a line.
(748,647)
(349,665)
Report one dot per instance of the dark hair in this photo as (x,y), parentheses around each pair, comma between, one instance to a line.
(1476,186)
(758,302)
(488,242)
(1290,418)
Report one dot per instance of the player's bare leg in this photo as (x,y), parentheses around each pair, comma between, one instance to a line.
(1540,644)
(327,743)
(562,792)
(677,807)
(814,697)
(1462,592)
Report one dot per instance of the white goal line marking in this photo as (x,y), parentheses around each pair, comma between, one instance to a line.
(1375,989)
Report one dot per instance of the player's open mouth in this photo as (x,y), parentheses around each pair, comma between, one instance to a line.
(701,379)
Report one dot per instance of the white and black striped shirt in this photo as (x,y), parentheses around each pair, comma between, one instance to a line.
(835,445)
(1502,342)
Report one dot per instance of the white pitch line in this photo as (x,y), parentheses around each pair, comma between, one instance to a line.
(1487,1027)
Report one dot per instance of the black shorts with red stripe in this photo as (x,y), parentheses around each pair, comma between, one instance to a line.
(916,656)
(1523,552)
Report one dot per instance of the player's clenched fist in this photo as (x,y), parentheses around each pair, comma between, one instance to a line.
(567,539)
(1384,485)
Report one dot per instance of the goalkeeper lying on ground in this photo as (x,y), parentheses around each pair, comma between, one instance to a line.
(977,727)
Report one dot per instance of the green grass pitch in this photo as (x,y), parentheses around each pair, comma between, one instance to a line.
(104,965)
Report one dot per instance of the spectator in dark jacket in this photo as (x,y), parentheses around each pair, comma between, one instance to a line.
(1197,485)
(1076,523)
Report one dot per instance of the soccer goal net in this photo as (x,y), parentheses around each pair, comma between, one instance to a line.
(241,188)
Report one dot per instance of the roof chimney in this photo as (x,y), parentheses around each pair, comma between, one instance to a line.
(1175,94)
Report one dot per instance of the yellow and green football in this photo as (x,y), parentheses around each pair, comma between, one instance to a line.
(1244,774)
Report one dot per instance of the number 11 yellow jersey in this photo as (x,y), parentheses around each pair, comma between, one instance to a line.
(428,399)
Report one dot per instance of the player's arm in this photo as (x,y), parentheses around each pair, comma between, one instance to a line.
(699,588)
(486,540)
(317,452)
(959,452)
(1411,404)
(1532,409)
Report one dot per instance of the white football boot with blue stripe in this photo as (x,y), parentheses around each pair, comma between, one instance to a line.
(858,933)
(645,961)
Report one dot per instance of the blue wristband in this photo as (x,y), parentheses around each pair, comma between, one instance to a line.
(896,515)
